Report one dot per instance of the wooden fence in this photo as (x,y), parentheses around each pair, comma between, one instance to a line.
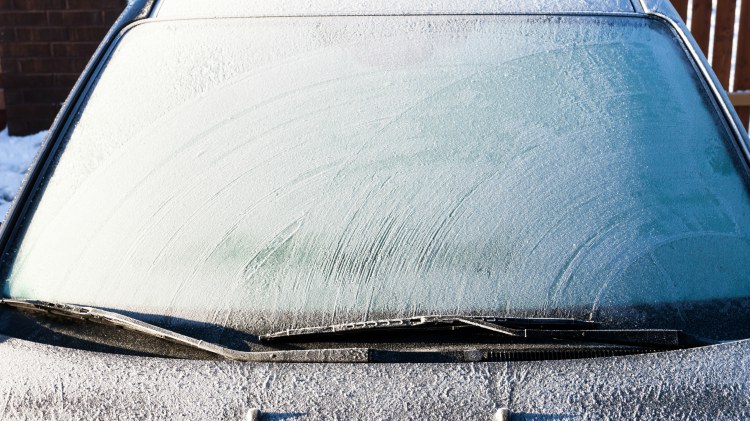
(698,14)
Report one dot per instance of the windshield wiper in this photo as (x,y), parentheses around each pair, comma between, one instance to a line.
(536,329)
(540,329)
(114,319)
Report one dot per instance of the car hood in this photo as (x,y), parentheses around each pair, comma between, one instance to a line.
(45,382)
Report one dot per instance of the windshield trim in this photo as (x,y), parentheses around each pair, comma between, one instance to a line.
(333,8)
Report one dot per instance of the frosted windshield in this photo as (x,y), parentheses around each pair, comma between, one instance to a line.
(278,172)
(171,9)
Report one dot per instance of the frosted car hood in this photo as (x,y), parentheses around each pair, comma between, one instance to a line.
(45,382)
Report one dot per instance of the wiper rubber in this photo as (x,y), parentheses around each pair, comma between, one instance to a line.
(560,329)
(545,329)
(343,355)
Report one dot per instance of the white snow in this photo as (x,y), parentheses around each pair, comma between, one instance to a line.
(16,154)
(49,382)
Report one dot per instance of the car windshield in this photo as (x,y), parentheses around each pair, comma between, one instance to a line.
(271,173)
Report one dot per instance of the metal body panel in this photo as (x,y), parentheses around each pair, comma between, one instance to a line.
(43,382)
(180,9)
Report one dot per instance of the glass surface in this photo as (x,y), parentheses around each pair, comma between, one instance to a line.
(269,173)
(176,9)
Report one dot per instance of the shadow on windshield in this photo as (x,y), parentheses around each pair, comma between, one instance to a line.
(718,319)
(17,324)
(210,332)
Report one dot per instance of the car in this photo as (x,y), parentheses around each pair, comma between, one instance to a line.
(413,210)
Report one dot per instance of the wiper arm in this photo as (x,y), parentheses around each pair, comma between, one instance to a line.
(562,329)
(539,329)
(114,319)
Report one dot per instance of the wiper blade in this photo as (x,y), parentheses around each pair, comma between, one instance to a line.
(560,329)
(114,319)
(500,325)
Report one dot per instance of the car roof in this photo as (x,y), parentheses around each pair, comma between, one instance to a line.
(177,9)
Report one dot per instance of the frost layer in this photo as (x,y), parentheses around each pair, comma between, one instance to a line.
(234,8)
(312,170)
(40,382)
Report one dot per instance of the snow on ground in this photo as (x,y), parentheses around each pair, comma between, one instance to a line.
(16,154)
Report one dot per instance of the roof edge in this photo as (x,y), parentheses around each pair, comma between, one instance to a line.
(179,9)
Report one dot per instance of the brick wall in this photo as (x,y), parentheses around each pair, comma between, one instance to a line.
(44,46)
(2,99)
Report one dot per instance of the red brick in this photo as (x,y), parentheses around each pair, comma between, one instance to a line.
(38,4)
(26,50)
(96,4)
(12,66)
(65,80)
(35,109)
(22,18)
(52,65)
(87,34)
(44,45)
(19,81)
(74,49)
(41,34)
(39,110)
(75,18)
(38,125)
(18,126)
(45,96)
(13,96)
(6,35)
(110,16)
